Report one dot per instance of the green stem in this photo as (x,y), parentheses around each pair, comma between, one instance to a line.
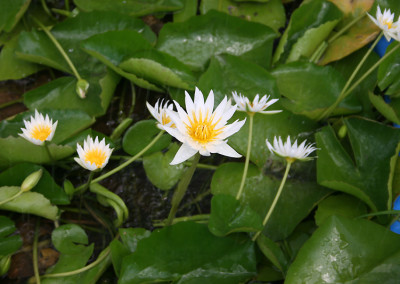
(87,184)
(278,194)
(11,103)
(246,163)
(344,92)
(388,212)
(35,252)
(46,146)
(59,47)
(371,70)
(200,217)
(103,255)
(46,9)
(131,160)
(11,198)
(181,189)
(66,5)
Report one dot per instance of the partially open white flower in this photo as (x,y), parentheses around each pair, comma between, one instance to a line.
(201,129)
(256,106)
(385,22)
(94,155)
(291,152)
(39,129)
(159,113)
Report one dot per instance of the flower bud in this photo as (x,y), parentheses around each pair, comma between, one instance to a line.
(31,180)
(5,263)
(81,88)
(342,131)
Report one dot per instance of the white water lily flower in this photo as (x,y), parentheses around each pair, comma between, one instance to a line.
(256,106)
(39,129)
(160,114)
(291,152)
(94,154)
(201,128)
(385,22)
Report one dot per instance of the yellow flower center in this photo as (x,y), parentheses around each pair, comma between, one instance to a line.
(203,130)
(96,156)
(165,119)
(389,24)
(41,132)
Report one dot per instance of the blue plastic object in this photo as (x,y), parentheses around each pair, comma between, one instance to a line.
(382,45)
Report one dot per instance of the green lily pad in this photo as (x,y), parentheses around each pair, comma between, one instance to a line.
(270,13)
(309,25)
(8,243)
(135,8)
(161,68)
(227,73)
(46,186)
(228,215)
(344,251)
(70,122)
(314,97)
(18,150)
(188,253)
(28,202)
(11,12)
(13,68)
(72,241)
(189,10)
(340,205)
(367,171)
(114,46)
(201,37)
(389,72)
(160,172)
(273,252)
(138,136)
(296,202)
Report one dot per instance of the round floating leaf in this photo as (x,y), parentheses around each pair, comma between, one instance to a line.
(295,203)
(28,202)
(135,8)
(341,205)
(138,136)
(228,215)
(160,172)
(161,68)
(18,150)
(270,13)
(201,37)
(15,175)
(344,251)
(69,239)
(187,253)
(309,25)
(367,171)
(8,244)
(305,86)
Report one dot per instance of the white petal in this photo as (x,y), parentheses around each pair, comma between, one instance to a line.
(226,150)
(185,152)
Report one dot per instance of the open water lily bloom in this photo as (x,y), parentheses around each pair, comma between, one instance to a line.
(94,154)
(201,128)
(160,114)
(39,129)
(258,105)
(385,23)
(291,152)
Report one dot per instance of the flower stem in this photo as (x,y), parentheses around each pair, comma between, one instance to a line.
(278,194)
(246,163)
(86,185)
(46,146)
(200,217)
(181,189)
(131,160)
(35,252)
(344,92)
(59,47)
(12,197)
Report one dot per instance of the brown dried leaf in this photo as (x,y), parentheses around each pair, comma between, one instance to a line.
(353,6)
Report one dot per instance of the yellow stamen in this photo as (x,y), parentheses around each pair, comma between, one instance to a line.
(165,119)
(41,132)
(203,130)
(96,156)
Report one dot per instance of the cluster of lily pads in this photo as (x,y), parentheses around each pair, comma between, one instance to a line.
(312,90)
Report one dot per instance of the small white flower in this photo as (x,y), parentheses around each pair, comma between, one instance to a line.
(201,129)
(256,106)
(39,129)
(385,22)
(159,113)
(291,152)
(94,154)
